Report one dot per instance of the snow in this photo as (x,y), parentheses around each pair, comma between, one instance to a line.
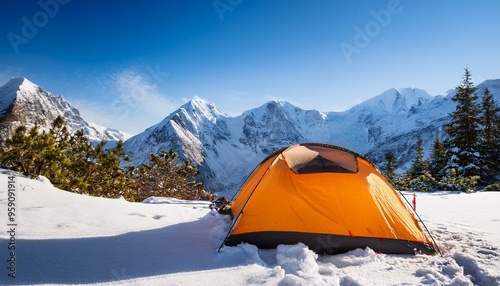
(20,83)
(388,100)
(8,93)
(228,148)
(113,134)
(200,130)
(30,103)
(28,86)
(66,238)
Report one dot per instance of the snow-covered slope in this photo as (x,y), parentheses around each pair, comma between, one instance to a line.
(395,101)
(111,134)
(66,238)
(425,120)
(23,102)
(227,148)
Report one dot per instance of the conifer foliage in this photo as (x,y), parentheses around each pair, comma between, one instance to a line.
(165,177)
(438,159)
(71,162)
(464,130)
(467,159)
(390,166)
(419,166)
(490,143)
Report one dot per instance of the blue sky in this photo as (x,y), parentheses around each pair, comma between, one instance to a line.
(127,64)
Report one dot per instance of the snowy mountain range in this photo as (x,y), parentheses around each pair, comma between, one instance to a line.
(23,102)
(226,148)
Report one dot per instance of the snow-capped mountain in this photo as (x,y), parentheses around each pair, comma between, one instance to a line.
(110,133)
(23,102)
(227,149)
(424,120)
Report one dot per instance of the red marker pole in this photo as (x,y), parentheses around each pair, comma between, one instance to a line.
(414,201)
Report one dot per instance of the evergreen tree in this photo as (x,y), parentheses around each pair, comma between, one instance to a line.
(81,163)
(60,132)
(165,177)
(70,162)
(452,182)
(422,183)
(438,159)
(464,130)
(33,154)
(49,159)
(18,154)
(418,177)
(418,166)
(106,178)
(490,146)
(390,165)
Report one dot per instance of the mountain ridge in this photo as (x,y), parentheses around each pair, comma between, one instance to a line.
(24,103)
(227,148)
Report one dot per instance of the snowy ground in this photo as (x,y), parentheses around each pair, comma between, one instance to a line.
(65,238)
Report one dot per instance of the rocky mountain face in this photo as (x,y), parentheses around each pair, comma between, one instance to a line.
(25,103)
(227,149)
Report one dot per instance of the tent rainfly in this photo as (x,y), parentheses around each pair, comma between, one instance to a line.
(329,198)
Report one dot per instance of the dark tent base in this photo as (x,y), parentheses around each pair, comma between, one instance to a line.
(330,244)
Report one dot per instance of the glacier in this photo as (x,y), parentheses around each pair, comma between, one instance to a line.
(227,148)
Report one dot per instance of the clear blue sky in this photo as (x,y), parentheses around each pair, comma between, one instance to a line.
(127,64)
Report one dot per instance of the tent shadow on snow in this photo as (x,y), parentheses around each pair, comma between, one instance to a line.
(177,248)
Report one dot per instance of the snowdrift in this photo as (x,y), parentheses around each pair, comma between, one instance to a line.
(66,238)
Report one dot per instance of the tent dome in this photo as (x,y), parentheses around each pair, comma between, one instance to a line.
(327,197)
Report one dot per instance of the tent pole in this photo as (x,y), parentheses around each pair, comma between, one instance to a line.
(231,228)
(238,216)
(418,217)
(423,224)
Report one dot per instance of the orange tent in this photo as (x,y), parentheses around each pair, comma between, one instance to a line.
(329,198)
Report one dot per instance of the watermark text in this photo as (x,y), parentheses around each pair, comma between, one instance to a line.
(39,19)
(363,36)
(11,225)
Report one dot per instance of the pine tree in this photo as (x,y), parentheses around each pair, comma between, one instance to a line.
(165,177)
(490,146)
(452,182)
(418,177)
(464,130)
(418,166)
(390,165)
(49,159)
(34,154)
(106,178)
(81,163)
(18,154)
(70,162)
(191,189)
(438,159)
(60,132)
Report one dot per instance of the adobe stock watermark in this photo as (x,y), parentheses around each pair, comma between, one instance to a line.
(119,276)
(157,74)
(39,19)
(11,214)
(363,37)
(123,106)
(223,6)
